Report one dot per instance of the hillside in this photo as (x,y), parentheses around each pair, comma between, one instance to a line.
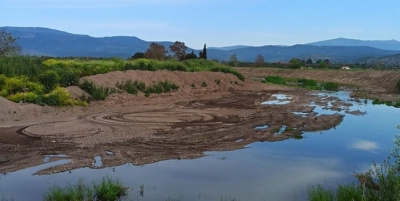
(49,42)
(380,44)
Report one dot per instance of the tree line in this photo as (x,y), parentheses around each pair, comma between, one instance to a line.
(178,50)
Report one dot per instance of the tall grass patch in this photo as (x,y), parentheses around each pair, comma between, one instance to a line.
(106,190)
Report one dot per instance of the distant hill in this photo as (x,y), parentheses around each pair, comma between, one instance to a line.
(336,54)
(228,48)
(50,42)
(386,61)
(380,44)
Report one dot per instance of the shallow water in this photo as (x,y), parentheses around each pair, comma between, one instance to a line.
(264,170)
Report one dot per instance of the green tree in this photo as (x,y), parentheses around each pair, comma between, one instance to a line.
(137,55)
(260,61)
(322,64)
(295,63)
(233,60)
(156,51)
(179,49)
(191,56)
(8,44)
(309,61)
(203,54)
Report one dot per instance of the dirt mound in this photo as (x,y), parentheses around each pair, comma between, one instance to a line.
(14,111)
(76,92)
(378,80)
(185,80)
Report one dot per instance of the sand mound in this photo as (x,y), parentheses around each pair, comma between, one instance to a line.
(185,80)
(14,111)
(76,92)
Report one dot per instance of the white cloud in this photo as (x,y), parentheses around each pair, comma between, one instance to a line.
(364,145)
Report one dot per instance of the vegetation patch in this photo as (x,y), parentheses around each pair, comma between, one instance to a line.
(97,93)
(36,79)
(106,190)
(302,83)
(161,87)
(395,104)
(398,87)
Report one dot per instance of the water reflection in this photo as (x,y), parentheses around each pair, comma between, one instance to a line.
(271,171)
(365,145)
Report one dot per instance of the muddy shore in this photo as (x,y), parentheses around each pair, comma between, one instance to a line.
(140,130)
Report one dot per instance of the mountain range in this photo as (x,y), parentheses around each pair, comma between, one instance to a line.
(50,42)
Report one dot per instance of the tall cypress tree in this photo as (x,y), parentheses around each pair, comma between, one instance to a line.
(204,55)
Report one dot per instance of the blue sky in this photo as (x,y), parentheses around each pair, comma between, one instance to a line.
(215,22)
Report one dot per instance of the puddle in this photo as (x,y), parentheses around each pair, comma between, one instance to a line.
(343,151)
(302,114)
(261,127)
(281,130)
(281,99)
(48,157)
(97,161)
(239,140)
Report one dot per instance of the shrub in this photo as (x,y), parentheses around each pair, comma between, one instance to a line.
(14,85)
(98,93)
(161,87)
(68,78)
(398,87)
(29,97)
(275,80)
(58,97)
(331,86)
(204,84)
(49,79)
(2,80)
(307,83)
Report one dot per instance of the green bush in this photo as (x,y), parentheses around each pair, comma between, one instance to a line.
(2,80)
(14,85)
(49,79)
(97,93)
(161,87)
(275,80)
(331,86)
(68,78)
(29,97)
(58,97)
(307,83)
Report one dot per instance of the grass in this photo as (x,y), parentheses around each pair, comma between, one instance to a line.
(395,104)
(107,190)
(302,83)
(42,75)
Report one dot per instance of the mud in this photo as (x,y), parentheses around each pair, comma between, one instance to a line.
(179,125)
